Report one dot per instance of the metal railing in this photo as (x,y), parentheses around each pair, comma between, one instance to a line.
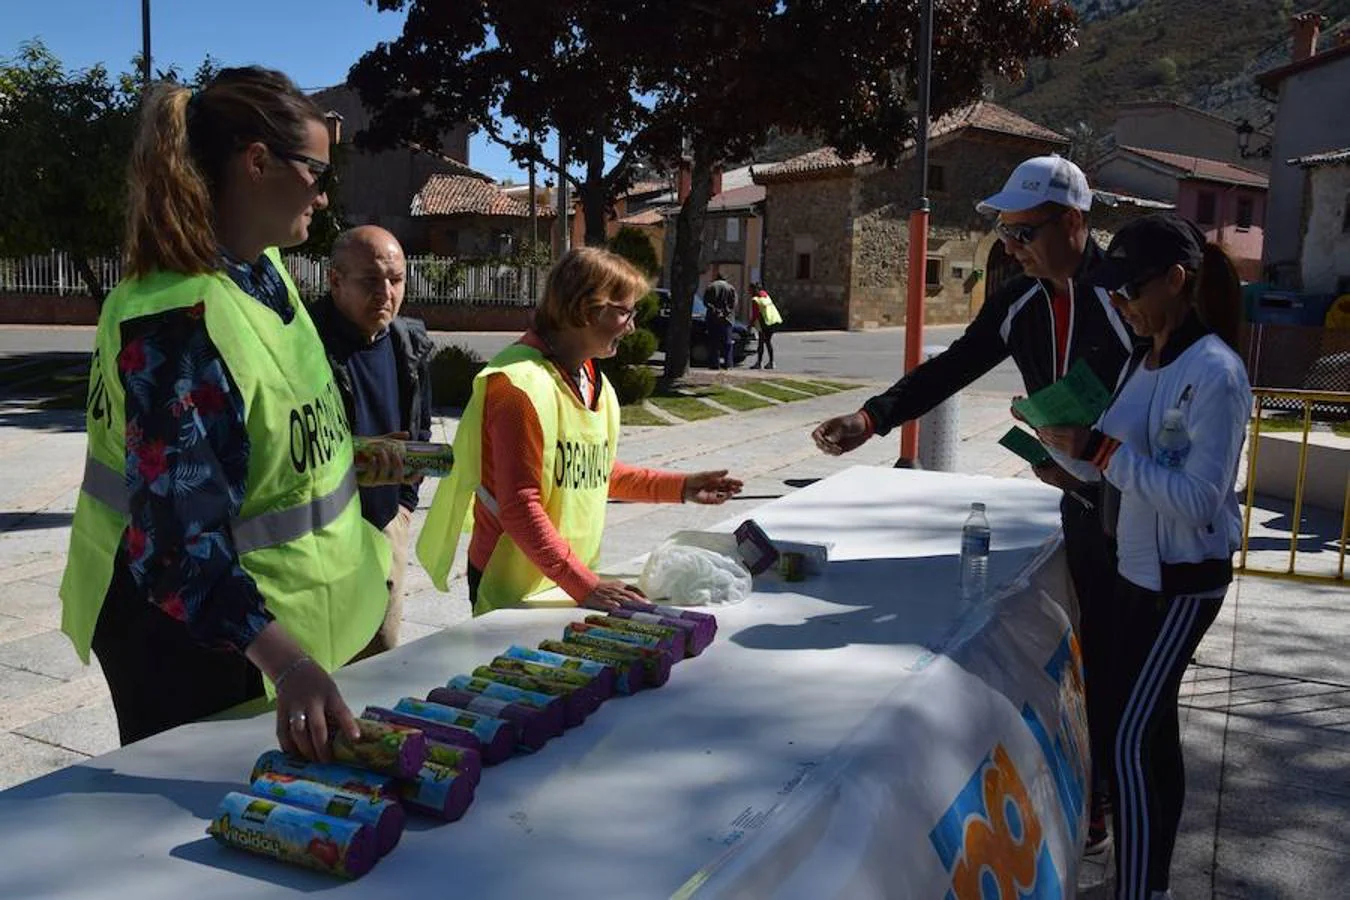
(1267,397)
(430,279)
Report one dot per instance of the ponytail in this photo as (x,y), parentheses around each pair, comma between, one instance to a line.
(1217,294)
(169,210)
(179,161)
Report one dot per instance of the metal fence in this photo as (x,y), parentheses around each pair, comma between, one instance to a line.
(1305,401)
(430,279)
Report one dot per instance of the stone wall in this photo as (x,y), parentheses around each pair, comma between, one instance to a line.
(811,217)
(966,169)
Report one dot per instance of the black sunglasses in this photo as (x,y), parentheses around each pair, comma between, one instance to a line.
(323,172)
(1131,291)
(1023,233)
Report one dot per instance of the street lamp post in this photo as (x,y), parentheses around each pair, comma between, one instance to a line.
(918,235)
(145,41)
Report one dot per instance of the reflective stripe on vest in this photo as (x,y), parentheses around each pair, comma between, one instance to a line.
(263,530)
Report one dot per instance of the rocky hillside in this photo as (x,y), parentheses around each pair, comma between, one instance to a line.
(1202,53)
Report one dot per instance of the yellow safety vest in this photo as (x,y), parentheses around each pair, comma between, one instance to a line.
(580,446)
(768,312)
(321,568)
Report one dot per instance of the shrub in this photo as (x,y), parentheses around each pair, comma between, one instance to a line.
(1163,71)
(453,370)
(634,246)
(647,308)
(636,348)
(632,384)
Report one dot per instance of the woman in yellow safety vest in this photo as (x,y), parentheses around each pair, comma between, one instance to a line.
(218,537)
(535,452)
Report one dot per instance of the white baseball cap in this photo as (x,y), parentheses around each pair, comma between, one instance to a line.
(1042,179)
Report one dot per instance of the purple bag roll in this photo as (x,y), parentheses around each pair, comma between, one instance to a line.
(531,729)
(344,778)
(576,703)
(650,668)
(463,757)
(497,735)
(706,622)
(591,687)
(665,632)
(385,817)
(383,747)
(605,678)
(437,791)
(550,706)
(696,639)
(663,645)
(341,847)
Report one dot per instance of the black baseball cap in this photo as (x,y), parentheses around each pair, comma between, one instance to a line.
(1146,247)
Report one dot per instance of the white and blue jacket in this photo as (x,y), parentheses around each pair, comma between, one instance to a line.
(1177,528)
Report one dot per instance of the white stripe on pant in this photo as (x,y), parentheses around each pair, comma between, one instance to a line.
(1151,698)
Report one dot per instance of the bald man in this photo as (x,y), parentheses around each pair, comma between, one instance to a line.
(381,363)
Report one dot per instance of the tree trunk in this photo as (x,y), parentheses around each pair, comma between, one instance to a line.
(594,199)
(91,281)
(686,265)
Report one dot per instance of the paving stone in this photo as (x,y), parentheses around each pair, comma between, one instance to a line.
(49,653)
(25,758)
(90,730)
(16,684)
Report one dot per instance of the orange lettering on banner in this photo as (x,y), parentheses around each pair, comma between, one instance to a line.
(1002,847)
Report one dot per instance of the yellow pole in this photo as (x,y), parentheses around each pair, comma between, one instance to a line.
(1298,487)
(1251,478)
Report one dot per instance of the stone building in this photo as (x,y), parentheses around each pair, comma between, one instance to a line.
(837,230)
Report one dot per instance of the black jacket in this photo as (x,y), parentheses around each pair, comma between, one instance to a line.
(413,350)
(1017,320)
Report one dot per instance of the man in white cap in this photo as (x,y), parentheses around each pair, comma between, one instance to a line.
(1047,319)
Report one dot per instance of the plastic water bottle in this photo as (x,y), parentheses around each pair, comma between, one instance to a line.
(1173,443)
(974,555)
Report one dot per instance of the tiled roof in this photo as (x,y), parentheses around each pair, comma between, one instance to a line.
(1330,158)
(454,195)
(982,115)
(651,216)
(737,198)
(1201,168)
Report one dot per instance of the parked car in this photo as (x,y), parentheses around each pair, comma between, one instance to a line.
(698,330)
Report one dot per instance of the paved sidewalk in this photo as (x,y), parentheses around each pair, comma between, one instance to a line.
(1266,708)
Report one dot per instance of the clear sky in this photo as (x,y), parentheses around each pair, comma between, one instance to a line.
(313,41)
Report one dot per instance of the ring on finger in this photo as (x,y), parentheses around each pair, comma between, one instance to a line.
(299,719)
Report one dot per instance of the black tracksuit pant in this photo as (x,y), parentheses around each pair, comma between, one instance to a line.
(1153,637)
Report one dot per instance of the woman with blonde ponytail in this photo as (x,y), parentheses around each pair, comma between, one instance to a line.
(218,550)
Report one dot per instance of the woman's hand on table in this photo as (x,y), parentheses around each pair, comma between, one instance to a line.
(310,710)
(1055,475)
(609,595)
(1071,440)
(711,488)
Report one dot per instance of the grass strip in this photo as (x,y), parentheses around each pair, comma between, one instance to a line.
(691,409)
(637,414)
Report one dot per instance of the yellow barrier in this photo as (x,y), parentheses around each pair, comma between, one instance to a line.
(1307,399)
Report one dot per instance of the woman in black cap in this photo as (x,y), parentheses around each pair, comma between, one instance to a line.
(1169,447)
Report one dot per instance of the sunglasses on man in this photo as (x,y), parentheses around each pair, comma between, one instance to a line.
(1024,232)
(323,172)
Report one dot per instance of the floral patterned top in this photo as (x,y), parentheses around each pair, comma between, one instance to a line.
(187,459)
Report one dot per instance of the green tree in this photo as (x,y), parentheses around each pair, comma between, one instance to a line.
(64,141)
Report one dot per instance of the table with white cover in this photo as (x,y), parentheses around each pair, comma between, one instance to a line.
(813,750)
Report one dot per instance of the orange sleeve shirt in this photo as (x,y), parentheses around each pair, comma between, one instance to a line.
(513,454)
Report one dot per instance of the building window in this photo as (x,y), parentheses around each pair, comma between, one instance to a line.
(1206,208)
(933,272)
(733,229)
(937,178)
(1246,210)
(803,266)
(958,272)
